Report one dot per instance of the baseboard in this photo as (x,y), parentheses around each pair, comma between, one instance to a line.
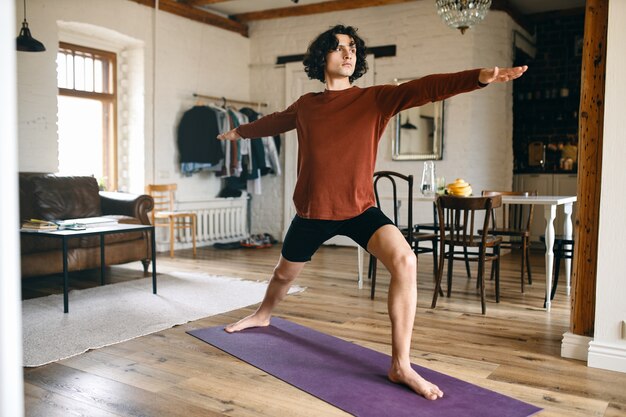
(575,346)
(607,356)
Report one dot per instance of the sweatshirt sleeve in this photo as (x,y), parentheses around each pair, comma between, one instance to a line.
(395,98)
(270,125)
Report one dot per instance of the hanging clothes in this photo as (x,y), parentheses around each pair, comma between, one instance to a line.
(257,148)
(272,160)
(197,136)
(241,163)
(264,150)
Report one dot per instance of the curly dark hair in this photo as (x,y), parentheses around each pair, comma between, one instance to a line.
(315,57)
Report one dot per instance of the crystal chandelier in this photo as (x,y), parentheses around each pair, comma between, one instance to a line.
(462,14)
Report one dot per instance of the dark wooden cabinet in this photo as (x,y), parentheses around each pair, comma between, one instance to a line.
(546,99)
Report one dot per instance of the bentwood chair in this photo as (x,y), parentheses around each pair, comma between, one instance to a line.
(165,215)
(563,249)
(459,217)
(512,222)
(434,228)
(413,238)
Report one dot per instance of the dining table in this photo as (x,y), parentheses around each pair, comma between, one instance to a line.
(550,204)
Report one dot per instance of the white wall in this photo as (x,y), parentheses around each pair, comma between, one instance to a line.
(478,125)
(11,374)
(608,348)
(190,57)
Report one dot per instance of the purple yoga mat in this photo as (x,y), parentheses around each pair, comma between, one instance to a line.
(354,378)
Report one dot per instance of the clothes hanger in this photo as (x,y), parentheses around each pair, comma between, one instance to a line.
(408,125)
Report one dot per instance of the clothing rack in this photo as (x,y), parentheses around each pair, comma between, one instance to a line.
(227,100)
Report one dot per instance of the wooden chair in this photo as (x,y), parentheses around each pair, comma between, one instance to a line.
(413,238)
(513,222)
(434,227)
(458,219)
(165,215)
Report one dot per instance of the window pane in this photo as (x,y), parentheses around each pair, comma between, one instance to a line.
(80,136)
(79,72)
(61,70)
(98,76)
(70,71)
(88,74)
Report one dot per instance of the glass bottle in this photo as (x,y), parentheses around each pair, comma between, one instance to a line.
(427,186)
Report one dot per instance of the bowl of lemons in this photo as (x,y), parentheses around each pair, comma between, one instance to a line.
(459,188)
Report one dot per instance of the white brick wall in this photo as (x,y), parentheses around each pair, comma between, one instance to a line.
(478,126)
(193,57)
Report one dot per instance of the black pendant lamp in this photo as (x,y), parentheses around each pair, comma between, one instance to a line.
(25,41)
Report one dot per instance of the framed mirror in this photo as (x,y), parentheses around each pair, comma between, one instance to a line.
(417,133)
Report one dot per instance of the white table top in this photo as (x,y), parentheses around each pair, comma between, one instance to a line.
(554,200)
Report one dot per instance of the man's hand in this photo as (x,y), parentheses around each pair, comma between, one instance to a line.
(500,75)
(230,135)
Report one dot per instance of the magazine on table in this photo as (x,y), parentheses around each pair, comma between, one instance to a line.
(86,223)
(37,225)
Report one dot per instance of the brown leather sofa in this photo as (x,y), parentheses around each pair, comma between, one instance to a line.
(50,197)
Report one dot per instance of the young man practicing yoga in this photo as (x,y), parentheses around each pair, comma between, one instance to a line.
(338,134)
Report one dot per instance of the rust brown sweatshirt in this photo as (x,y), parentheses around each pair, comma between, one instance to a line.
(338,135)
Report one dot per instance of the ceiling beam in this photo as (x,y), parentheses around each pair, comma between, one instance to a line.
(189,12)
(202,2)
(327,6)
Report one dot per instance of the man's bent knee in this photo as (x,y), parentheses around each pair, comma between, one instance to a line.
(283,276)
(404,262)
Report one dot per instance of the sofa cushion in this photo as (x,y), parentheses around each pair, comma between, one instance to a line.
(67,197)
(31,243)
(27,198)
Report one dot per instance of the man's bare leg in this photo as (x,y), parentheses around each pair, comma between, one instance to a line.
(284,274)
(390,247)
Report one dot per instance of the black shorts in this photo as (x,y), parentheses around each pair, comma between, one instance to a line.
(305,236)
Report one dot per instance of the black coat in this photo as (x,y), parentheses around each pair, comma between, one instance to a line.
(197,136)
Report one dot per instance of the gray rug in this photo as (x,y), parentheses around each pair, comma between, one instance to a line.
(110,314)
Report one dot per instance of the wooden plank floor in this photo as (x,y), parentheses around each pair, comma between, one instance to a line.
(514,349)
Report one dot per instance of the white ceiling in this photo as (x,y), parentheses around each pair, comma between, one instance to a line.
(245,6)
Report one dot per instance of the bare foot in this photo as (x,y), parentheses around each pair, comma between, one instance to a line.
(245,323)
(414,381)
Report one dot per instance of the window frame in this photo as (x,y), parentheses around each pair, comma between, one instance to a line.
(109,105)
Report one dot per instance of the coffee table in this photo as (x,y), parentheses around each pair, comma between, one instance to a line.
(66,235)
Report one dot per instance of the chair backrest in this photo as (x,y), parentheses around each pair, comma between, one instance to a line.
(406,183)
(459,218)
(512,216)
(163,196)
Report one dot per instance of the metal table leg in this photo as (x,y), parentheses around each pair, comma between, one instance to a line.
(65,277)
(154,276)
(101,259)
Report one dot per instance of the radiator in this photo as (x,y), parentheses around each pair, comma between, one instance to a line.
(219,220)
